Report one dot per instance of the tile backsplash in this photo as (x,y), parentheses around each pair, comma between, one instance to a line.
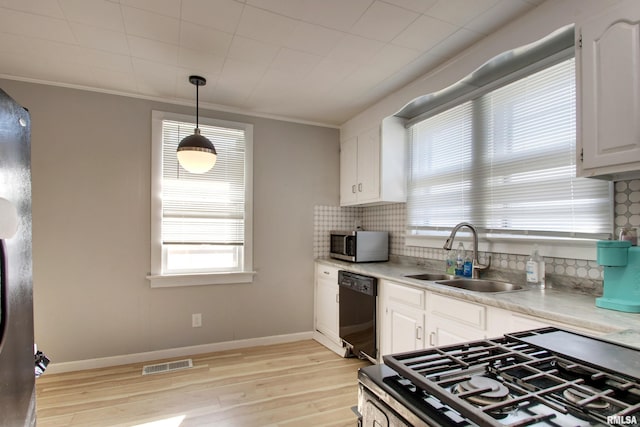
(578,275)
(327,218)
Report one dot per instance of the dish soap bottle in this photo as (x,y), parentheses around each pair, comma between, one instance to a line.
(451,263)
(467,267)
(536,268)
(460,254)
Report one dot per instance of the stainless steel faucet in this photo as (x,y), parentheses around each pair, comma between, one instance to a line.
(476,267)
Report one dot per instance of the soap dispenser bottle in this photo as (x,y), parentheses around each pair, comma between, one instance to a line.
(451,263)
(536,268)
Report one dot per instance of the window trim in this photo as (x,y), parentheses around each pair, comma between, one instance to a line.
(156,278)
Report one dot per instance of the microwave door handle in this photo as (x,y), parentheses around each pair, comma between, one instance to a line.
(344,245)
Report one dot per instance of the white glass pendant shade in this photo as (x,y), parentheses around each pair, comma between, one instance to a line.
(196,153)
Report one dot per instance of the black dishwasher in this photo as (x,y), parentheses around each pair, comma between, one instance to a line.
(358,296)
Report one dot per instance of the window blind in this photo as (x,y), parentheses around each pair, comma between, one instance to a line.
(203,208)
(505,161)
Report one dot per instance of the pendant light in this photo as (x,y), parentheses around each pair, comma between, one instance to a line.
(195,152)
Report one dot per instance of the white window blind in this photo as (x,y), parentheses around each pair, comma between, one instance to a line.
(203,215)
(505,161)
(209,207)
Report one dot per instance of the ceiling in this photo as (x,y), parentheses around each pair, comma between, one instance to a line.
(320,61)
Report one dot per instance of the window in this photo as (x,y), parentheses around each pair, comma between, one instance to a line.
(201,223)
(505,162)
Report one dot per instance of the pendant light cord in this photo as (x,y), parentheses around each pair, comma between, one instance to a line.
(197,107)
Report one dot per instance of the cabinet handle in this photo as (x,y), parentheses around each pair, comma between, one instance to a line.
(431,337)
(418,332)
(353,188)
(338,298)
(326,272)
(360,187)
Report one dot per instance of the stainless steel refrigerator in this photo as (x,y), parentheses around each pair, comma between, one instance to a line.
(17,378)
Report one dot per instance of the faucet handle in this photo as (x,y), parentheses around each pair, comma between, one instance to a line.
(477,267)
(484,266)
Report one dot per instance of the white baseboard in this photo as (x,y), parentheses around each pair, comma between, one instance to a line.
(103,362)
(330,344)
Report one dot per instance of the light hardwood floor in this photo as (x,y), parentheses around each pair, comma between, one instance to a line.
(293,384)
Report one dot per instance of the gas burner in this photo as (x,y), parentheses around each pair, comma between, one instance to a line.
(482,391)
(575,395)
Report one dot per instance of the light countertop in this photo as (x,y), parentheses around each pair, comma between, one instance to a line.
(551,304)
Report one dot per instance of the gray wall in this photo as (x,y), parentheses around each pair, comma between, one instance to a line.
(91,229)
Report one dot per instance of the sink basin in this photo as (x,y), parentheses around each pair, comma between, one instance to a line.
(431,276)
(481,285)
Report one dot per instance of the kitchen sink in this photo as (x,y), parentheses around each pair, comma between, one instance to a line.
(431,276)
(481,285)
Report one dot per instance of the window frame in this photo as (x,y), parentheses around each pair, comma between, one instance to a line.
(157,278)
(578,247)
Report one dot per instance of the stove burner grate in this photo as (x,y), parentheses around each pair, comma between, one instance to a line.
(589,401)
(485,379)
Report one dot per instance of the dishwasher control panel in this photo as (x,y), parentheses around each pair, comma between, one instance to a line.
(358,282)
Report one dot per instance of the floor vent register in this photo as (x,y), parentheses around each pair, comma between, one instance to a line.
(161,368)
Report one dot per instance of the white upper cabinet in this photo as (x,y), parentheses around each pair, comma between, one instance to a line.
(360,168)
(373,165)
(608,79)
(349,171)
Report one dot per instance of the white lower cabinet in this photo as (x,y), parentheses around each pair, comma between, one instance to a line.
(326,323)
(452,321)
(411,318)
(406,328)
(402,317)
(414,319)
(446,332)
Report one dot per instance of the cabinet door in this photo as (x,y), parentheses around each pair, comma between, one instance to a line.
(453,321)
(348,171)
(402,317)
(610,87)
(405,328)
(369,166)
(327,304)
(445,331)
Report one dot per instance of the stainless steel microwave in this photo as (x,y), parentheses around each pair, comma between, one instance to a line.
(359,246)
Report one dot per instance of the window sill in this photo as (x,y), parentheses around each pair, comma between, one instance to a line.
(179,280)
(549,247)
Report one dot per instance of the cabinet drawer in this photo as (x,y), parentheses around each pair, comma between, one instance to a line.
(328,272)
(461,311)
(405,295)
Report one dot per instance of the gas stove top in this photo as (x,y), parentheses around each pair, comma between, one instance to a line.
(542,377)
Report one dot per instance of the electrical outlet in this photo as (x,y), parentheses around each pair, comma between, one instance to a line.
(196,320)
